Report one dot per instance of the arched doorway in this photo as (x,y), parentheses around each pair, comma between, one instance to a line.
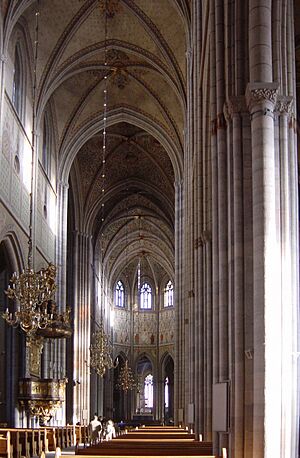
(145,396)
(168,390)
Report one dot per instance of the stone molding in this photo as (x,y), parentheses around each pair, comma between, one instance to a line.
(261,94)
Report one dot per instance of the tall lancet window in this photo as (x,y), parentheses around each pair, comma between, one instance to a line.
(148,391)
(166,392)
(169,294)
(18,86)
(120,295)
(146,297)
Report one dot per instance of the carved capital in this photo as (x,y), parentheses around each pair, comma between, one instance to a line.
(235,105)
(261,94)
(284,105)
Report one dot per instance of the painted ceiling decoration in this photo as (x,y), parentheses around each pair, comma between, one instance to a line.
(146,56)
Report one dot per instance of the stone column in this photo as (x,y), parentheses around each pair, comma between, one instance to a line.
(82,322)
(266,267)
(286,220)
(236,111)
(179,369)
(58,350)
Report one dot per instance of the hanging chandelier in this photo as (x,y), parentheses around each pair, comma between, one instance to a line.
(33,291)
(101,351)
(126,380)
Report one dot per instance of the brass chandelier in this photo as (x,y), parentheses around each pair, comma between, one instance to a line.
(33,291)
(101,351)
(126,380)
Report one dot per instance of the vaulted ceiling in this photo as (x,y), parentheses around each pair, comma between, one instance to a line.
(145,49)
(146,43)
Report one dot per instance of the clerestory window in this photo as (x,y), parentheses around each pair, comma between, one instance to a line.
(146,297)
(169,295)
(119,294)
(18,83)
(47,146)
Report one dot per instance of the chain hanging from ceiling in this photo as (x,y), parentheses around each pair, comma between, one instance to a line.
(101,348)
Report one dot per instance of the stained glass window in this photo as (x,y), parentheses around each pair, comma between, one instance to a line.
(148,391)
(120,294)
(17,93)
(168,294)
(146,297)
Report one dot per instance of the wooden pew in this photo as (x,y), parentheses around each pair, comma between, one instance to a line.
(81,433)
(27,442)
(145,456)
(51,440)
(6,448)
(118,447)
(163,435)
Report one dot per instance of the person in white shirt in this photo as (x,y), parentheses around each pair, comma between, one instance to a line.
(95,430)
(110,430)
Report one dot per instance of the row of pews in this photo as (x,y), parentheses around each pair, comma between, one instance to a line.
(149,442)
(26,442)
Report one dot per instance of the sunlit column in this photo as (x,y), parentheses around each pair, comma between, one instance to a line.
(266,267)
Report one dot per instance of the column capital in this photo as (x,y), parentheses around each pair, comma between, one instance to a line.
(285,105)
(261,94)
(235,105)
